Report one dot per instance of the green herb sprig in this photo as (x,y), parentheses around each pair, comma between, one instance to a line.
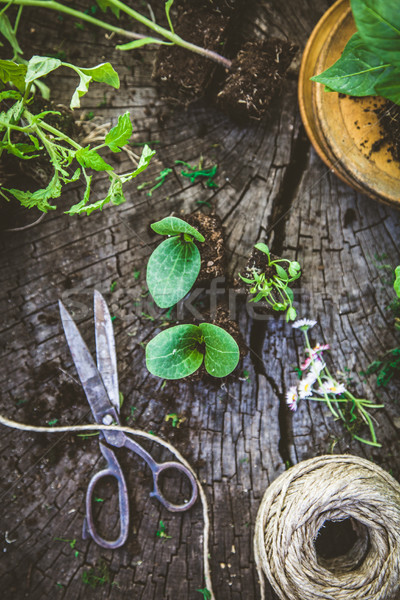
(275,288)
(27,135)
(370,62)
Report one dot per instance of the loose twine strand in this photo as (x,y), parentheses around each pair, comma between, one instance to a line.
(153,438)
(295,507)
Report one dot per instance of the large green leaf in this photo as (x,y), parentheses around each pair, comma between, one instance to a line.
(222,352)
(378,22)
(40,66)
(13,73)
(119,135)
(388,85)
(41,197)
(356,72)
(172,269)
(175,226)
(174,352)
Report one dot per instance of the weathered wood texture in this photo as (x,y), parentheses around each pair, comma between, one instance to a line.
(239,435)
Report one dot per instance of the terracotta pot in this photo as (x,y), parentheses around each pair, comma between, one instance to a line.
(343,129)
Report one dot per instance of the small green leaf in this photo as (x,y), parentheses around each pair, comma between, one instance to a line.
(172,269)
(80,207)
(104,4)
(222,352)
(146,156)
(396,285)
(7,30)
(289,293)
(138,43)
(119,135)
(91,159)
(103,73)
(174,353)
(10,95)
(281,273)
(175,226)
(291,314)
(39,66)
(13,73)
(262,248)
(294,268)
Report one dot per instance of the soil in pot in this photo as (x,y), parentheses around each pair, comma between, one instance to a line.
(256,77)
(389,124)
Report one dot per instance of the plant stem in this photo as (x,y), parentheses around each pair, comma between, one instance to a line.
(60,135)
(167,34)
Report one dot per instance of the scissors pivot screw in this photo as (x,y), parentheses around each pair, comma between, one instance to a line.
(107,420)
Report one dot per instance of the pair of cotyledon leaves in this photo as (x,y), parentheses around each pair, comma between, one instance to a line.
(172,270)
(370,62)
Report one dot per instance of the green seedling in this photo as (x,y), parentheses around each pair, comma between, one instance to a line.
(388,366)
(161,531)
(179,351)
(273,287)
(174,265)
(175,419)
(370,62)
(205,593)
(167,37)
(27,134)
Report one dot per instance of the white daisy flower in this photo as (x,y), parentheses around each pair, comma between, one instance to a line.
(317,366)
(306,386)
(332,387)
(292,397)
(304,324)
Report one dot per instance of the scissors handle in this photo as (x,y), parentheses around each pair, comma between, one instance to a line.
(157,469)
(114,470)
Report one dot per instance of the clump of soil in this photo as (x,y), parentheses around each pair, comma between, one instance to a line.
(186,75)
(212,250)
(389,122)
(256,76)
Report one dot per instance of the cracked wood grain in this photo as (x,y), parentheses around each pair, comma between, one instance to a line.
(238,436)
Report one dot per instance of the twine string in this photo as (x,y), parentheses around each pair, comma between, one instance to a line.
(293,511)
(153,438)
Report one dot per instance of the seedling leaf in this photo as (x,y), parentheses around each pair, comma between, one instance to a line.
(175,226)
(8,32)
(103,73)
(262,248)
(40,66)
(91,159)
(119,135)
(174,353)
(104,4)
(222,352)
(146,156)
(172,270)
(13,73)
(142,42)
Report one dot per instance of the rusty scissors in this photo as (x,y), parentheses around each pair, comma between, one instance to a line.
(100,384)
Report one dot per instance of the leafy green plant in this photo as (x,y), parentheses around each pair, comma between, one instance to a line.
(179,351)
(273,286)
(27,134)
(168,36)
(174,265)
(388,365)
(370,62)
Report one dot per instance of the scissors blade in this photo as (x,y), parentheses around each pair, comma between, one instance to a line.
(86,369)
(105,349)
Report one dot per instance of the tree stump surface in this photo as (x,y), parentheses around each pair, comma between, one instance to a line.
(237,434)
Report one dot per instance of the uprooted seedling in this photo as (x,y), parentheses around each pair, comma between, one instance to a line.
(28,135)
(273,284)
(174,265)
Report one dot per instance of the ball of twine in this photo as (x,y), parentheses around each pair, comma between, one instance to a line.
(296,506)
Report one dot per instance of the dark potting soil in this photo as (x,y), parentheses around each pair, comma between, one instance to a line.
(389,123)
(185,75)
(212,250)
(255,78)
